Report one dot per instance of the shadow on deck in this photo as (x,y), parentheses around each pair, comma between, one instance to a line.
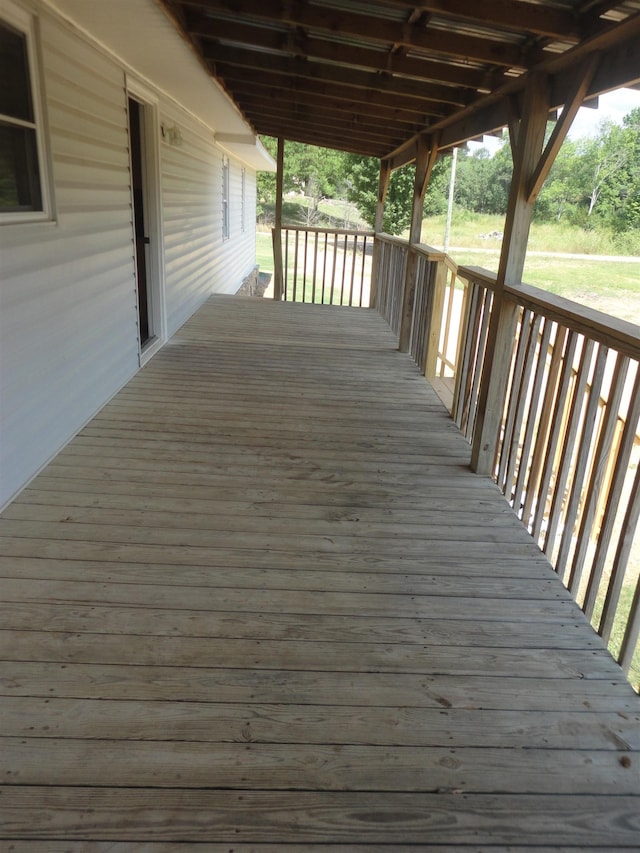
(261,600)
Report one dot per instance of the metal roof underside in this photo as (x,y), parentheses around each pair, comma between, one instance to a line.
(370,77)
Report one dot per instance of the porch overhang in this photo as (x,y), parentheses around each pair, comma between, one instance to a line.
(374,79)
(144,40)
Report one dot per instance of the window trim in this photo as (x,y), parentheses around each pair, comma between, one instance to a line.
(26,23)
(243,199)
(226,181)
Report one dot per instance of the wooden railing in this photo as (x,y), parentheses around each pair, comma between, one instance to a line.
(567,451)
(327,266)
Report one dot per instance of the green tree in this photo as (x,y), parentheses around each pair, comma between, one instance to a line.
(483,181)
(563,190)
(314,172)
(361,181)
(620,193)
(361,177)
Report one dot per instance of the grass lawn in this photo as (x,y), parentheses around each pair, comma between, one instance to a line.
(609,286)
(264,251)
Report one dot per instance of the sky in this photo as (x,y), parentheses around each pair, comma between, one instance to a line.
(614,105)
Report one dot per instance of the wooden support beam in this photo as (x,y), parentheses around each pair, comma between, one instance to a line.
(544,20)
(297,66)
(427,156)
(514,115)
(574,102)
(619,47)
(253,97)
(304,18)
(493,385)
(251,37)
(383,187)
(308,83)
(278,281)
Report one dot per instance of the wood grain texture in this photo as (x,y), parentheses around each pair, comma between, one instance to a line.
(261,603)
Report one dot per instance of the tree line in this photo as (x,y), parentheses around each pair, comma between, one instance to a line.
(594,182)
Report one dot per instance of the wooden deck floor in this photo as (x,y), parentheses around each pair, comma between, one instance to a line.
(261,603)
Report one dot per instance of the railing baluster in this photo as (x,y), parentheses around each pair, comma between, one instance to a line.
(315,266)
(450,290)
(542,434)
(598,472)
(362,272)
(285,286)
(335,260)
(295,267)
(508,447)
(581,468)
(623,552)
(304,267)
(558,425)
(632,631)
(344,270)
(532,420)
(616,488)
(469,356)
(462,361)
(570,436)
(487,299)
(324,265)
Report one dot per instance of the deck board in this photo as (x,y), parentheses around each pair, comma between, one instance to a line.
(261,603)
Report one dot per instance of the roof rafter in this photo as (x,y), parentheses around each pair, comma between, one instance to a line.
(298,67)
(255,96)
(439,41)
(377,59)
(343,95)
(375,76)
(543,20)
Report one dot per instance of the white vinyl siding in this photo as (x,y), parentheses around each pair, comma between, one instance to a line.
(68,315)
(198,262)
(67,325)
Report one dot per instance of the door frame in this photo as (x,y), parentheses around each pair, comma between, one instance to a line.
(150,148)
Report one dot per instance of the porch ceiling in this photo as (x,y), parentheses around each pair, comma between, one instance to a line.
(369,77)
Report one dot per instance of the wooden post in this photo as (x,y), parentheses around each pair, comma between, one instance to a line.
(424,166)
(528,149)
(383,186)
(278,281)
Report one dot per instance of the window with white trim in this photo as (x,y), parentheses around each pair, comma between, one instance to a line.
(22,175)
(225,198)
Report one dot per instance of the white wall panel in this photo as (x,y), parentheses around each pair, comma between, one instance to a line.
(67,299)
(198,262)
(68,316)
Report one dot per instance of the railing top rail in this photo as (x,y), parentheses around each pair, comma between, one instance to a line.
(604,328)
(429,252)
(389,238)
(356,232)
